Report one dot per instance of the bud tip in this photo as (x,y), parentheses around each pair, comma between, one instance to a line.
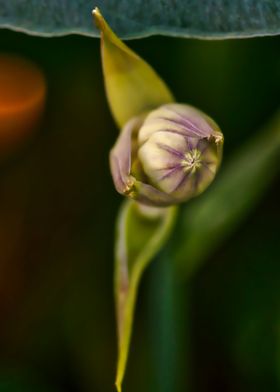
(98,18)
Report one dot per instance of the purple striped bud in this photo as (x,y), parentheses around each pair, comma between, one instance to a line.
(168,156)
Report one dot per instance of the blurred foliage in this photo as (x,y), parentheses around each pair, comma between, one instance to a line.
(217,331)
(23,381)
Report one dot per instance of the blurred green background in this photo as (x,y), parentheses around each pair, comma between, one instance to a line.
(217,330)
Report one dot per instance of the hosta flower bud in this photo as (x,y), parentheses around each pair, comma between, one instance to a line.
(168,156)
(166,153)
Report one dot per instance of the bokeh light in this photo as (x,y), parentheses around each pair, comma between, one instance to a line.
(22,99)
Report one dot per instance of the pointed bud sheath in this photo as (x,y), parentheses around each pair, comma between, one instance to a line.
(132,86)
(168,156)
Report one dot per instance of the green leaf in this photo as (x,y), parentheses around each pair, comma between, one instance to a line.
(141,232)
(132,86)
(209,219)
(168,325)
(130,19)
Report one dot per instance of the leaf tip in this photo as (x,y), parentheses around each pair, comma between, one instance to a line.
(118,386)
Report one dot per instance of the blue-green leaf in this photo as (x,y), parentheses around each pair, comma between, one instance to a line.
(131,19)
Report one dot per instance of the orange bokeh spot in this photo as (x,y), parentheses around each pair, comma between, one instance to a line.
(22,99)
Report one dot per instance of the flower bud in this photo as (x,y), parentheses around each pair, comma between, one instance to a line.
(168,156)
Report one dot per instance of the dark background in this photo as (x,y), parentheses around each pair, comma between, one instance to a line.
(219,330)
